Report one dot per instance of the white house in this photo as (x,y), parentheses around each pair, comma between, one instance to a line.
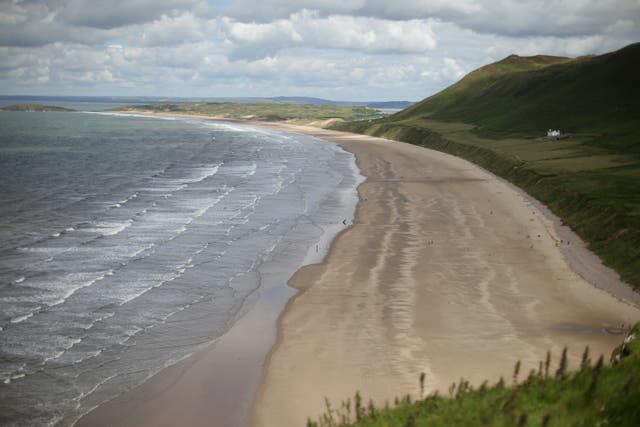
(554,133)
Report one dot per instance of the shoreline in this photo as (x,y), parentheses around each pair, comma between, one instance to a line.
(574,250)
(337,359)
(236,357)
(270,394)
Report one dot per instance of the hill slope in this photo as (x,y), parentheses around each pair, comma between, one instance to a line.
(528,95)
(498,115)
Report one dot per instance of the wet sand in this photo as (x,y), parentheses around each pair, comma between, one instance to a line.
(447,270)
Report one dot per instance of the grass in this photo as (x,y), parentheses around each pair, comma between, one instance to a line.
(497,117)
(599,393)
(295,113)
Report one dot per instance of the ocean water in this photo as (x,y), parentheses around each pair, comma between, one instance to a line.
(127,243)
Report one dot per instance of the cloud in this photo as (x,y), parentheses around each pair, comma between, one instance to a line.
(175,30)
(117,13)
(307,28)
(504,17)
(341,49)
(40,22)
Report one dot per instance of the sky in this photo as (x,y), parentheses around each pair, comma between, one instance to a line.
(358,50)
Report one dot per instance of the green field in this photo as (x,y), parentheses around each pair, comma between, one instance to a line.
(498,115)
(600,393)
(319,115)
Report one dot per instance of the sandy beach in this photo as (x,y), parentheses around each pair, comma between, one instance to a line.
(446,270)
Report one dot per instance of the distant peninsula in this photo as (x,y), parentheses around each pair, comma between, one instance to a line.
(320,115)
(34,107)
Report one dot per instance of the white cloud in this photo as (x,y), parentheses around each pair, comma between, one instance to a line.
(307,28)
(175,30)
(341,49)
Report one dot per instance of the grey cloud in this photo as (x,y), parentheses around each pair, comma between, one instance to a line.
(40,34)
(39,22)
(504,17)
(118,13)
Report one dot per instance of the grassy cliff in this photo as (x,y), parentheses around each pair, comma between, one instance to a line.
(600,393)
(497,116)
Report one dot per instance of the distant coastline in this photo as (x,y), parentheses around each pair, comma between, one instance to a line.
(35,108)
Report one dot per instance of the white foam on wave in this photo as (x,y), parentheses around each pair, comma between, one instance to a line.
(13,378)
(183,267)
(128,199)
(141,250)
(138,115)
(71,342)
(24,317)
(220,125)
(178,272)
(141,292)
(106,228)
(124,201)
(210,205)
(277,188)
(242,170)
(177,232)
(19,280)
(54,356)
(201,249)
(92,390)
(206,172)
(73,289)
(99,319)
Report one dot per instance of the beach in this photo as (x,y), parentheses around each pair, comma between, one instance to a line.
(446,270)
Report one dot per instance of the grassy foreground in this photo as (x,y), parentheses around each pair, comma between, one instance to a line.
(319,115)
(498,116)
(598,394)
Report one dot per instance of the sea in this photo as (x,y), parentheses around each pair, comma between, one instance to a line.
(127,243)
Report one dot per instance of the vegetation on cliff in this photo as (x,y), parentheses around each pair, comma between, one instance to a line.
(599,393)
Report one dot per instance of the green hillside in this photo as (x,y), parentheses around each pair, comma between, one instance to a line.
(598,394)
(498,115)
(598,94)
